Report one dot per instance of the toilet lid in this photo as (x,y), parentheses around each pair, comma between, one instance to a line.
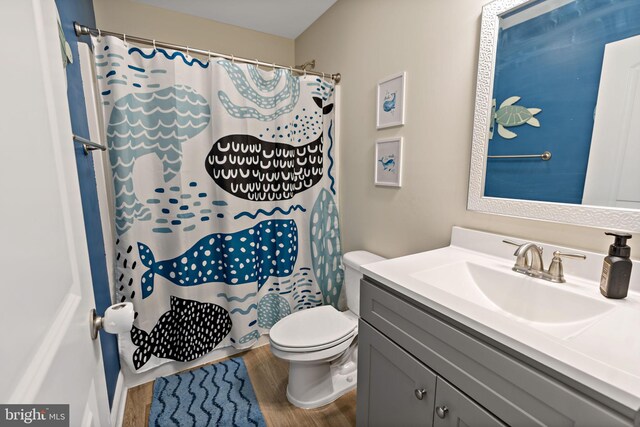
(313,327)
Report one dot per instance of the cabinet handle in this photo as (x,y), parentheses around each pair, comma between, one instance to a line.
(442,411)
(420,393)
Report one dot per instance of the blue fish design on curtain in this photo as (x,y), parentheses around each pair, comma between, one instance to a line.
(270,248)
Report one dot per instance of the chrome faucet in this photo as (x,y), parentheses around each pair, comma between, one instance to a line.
(529,262)
(528,258)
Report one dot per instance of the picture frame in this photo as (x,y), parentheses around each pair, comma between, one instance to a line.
(388,167)
(390,107)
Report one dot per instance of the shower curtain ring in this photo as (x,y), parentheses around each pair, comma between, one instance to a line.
(322,76)
(209,52)
(233,59)
(291,70)
(305,72)
(154,45)
(124,39)
(273,66)
(99,34)
(188,51)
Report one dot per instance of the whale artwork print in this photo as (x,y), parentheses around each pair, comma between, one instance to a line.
(270,248)
(190,329)
(388,163)
(389,103)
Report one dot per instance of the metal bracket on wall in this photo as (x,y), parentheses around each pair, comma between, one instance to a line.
(88,145)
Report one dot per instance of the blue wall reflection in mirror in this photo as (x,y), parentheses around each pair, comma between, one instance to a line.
(553,62)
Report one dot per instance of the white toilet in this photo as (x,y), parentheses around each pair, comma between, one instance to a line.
(321,343)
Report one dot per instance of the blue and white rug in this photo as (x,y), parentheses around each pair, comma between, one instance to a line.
(214,395)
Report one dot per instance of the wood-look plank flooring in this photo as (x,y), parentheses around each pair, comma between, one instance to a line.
(269,377)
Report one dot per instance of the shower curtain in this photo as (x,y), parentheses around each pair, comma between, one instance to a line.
(224,198)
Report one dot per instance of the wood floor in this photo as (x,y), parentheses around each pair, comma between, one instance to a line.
(269,378)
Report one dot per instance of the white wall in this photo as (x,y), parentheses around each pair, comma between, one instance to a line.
(436,42)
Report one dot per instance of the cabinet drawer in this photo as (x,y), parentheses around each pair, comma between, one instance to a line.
(394,389)
(513,391)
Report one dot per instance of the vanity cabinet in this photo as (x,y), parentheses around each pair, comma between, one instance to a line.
(413,362)
(394,379)
(395,389)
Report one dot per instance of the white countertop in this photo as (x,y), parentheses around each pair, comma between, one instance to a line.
(603,356)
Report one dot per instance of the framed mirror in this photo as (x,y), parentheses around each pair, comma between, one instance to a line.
(556,132)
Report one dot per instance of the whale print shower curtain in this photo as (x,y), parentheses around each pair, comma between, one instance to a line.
(224,197)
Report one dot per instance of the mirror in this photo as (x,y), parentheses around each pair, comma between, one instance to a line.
(557,121)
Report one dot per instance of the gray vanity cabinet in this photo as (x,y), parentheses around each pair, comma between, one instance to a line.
(398,390)
(405,346)
(395,389)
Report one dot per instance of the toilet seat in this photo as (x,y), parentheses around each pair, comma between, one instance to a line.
(314,329)
(314,348)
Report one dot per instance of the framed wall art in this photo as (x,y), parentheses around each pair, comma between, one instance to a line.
(391,101)
(388,168)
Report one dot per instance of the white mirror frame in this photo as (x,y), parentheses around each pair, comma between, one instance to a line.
(591,216)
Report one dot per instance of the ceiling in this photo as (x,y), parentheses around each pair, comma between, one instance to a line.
(285,18)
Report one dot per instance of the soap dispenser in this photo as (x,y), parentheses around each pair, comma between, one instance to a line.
(616,270)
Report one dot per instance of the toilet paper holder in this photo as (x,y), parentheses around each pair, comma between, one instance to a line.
(117,319)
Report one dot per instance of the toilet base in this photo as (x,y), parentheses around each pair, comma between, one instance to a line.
(317,379)
(314,385)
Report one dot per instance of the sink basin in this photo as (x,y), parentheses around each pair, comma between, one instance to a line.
(527,298)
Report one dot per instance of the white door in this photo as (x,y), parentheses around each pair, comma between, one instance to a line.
(613,175)
(46,354)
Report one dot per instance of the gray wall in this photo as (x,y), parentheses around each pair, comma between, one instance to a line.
(436,42)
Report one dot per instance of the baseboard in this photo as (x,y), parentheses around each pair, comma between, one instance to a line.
(133,379)
(119,401)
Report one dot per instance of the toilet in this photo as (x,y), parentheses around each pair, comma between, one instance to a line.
(321,343)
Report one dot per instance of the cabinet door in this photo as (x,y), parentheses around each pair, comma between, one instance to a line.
(452,408)
(394,389)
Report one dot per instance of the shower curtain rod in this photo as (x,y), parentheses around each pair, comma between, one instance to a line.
(83,30)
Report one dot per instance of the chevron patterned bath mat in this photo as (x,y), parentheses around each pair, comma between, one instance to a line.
(214,395)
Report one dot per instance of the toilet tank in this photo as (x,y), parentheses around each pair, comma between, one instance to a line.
(352,275)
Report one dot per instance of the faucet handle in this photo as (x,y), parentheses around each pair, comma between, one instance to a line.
(556,273)
(558,254)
